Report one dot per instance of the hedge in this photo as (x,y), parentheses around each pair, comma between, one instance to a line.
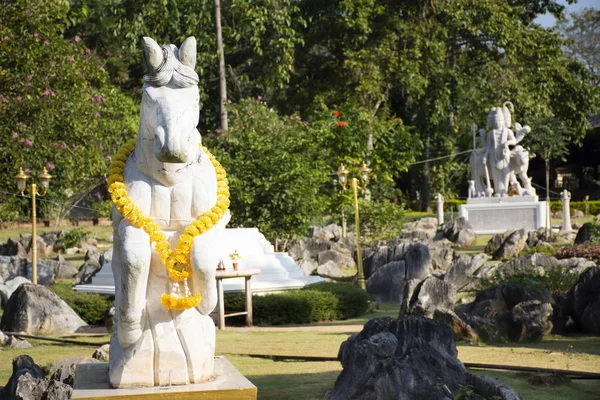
(319,302)
(89,306)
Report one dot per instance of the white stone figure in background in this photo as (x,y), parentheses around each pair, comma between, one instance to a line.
(171,179)
(501,159)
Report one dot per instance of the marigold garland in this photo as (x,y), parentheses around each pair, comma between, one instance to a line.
(177,261)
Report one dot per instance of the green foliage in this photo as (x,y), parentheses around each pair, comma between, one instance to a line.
(547,250)
(378,221)
(319,302)
(58,109)
(90,306)
(73,237)
(353,301)
(557,281)
(469,393)
(273,167)
(296,307)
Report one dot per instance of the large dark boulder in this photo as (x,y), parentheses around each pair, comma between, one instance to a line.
(509,312)
(586,232)
(36,309)
(580,308)
(27,381)
(13,247)
(386,285)
(411,358)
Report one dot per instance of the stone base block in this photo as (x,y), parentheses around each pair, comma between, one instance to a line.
(499,216)
(91,382)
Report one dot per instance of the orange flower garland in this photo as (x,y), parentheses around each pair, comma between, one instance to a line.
(177,261)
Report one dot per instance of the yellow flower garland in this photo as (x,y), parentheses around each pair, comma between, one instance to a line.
(176,261)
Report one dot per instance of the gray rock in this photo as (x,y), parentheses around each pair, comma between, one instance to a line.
(341,259)
(332,270)
(12,266)
(577,214)
(27,381)
(375,259)
(458,231)
(461,330)
(529,321)
(102,353)
(308,265)
(57,391)
(424,229)
(42,248)
(17,343)
(441,256)
(61,268)
(418,261)
(433,294)
(64,370)
(3,338)
(13,247)
(460,273)
(583,299)
(36,309)
(494,243)
(410,358)
(90,267)
(576,225)
(73,250)
(586,232)
(386,285)
(9,288)
(512,245)
(53,240)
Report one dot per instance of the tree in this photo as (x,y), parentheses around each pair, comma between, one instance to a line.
(438,65)
(582,30)
(274,171)
(57,108)
(549,139)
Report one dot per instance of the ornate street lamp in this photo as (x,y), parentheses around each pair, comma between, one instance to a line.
(44,179)
(342,174)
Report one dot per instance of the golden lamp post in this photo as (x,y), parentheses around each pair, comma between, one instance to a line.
(44,179)
(342,174)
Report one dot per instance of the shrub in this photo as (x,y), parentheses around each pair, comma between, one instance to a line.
(73,238)
(379,221)
(294,307)
(90,306)
(557,281)
(353,301)
(586,250)
(547,250)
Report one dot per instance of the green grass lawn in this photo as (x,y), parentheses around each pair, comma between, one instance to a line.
(311,380)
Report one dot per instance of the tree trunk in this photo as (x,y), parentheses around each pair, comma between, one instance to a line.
(222,80)
(548,211)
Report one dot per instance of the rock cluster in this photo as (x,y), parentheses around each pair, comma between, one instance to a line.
(325,252)
(409,358)
(28,381)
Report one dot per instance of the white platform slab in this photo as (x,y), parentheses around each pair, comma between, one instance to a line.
(278,271)
(498,214)
(91,382)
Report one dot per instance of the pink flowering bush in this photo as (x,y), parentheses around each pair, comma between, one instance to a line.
(586,250)
(47,118)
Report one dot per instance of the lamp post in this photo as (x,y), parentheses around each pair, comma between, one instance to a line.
(44,179)
(342,174)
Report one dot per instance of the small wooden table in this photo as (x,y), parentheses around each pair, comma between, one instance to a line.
(228,274)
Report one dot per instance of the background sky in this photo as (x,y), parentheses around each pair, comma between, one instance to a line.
(548,20)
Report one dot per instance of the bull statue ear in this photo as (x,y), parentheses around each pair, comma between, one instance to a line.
(153,54)
(187,52)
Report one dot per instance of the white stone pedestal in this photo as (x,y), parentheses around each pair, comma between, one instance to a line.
(489,215)
(91,382)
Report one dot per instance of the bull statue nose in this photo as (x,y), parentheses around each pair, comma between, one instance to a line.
(170,148)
